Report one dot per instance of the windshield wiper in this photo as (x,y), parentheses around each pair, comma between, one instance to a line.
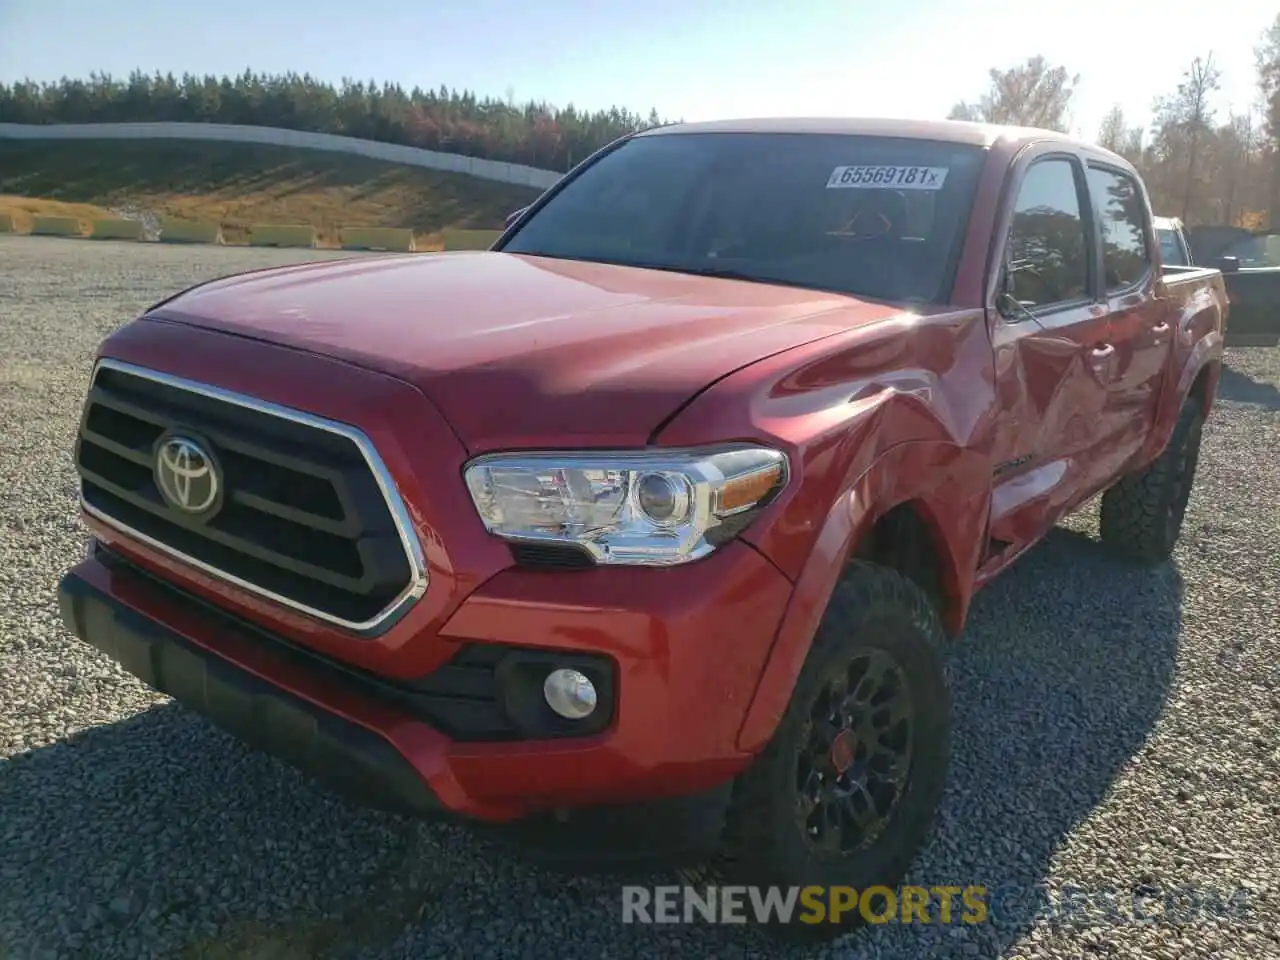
(728,273)
(723,273)
(720,273)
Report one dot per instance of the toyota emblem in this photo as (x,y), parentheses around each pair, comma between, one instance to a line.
(186,475)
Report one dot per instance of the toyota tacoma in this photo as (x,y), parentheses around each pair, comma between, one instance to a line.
(667,507)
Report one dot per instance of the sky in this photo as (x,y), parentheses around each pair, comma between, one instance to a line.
(692,60)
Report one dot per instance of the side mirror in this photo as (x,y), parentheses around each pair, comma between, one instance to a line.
(1005,303)
(1228,264)
(1011,308)
(513,217)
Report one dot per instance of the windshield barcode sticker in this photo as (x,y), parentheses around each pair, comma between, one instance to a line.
(887,178)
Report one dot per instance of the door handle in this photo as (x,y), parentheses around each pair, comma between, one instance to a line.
(1102,352)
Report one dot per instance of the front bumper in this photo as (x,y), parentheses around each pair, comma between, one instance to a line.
(687,667)
(348,757)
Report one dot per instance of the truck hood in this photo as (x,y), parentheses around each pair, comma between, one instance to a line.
(521,351)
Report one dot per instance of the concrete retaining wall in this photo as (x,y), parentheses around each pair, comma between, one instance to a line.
(238,133)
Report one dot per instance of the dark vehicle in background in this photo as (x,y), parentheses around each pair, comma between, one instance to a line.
(1250,265)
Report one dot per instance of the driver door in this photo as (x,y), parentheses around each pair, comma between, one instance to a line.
(1052,367)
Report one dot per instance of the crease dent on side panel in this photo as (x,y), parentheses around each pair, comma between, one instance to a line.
(804,393)
(1022,489)
(830,391)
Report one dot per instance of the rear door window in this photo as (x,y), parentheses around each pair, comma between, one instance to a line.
(1122,217)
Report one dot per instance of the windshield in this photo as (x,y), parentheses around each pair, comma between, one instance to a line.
(870,216)
(1255,252)
(1171,252)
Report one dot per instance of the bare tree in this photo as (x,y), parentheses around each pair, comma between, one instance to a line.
(1184,123)
(1113,132)
(1267,58)
(1116,135)
(1232,152)
(1032,94)
(1208,172)
(1132,149)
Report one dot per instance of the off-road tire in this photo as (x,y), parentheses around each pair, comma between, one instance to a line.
(872,608)
(1141,515)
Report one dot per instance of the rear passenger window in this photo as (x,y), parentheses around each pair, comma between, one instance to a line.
(1048,247)
(1123,217)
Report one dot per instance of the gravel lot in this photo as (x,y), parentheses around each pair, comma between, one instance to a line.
(1115,728)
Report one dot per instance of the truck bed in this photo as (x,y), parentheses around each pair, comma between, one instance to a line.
(1180,274)
(1253,291)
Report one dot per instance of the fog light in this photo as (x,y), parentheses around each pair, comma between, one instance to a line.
(570,694)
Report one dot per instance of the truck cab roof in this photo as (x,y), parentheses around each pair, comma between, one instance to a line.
(947,131)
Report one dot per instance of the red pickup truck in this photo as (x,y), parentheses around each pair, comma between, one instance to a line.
(669,503)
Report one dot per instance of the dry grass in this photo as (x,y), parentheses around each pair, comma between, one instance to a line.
(24,209)
(240,184)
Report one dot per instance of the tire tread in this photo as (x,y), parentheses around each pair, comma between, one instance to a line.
(864,589)
(1131,517)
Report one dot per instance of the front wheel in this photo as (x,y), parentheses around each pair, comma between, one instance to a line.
(1141,516)
(846,792)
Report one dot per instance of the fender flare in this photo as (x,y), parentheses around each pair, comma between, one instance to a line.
(855,511)
(1205,353)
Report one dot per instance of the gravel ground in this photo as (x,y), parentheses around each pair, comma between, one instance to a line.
(1114,729)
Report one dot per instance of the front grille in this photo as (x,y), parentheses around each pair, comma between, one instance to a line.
(302,517)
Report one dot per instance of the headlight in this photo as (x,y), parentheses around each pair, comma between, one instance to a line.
(653,507)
